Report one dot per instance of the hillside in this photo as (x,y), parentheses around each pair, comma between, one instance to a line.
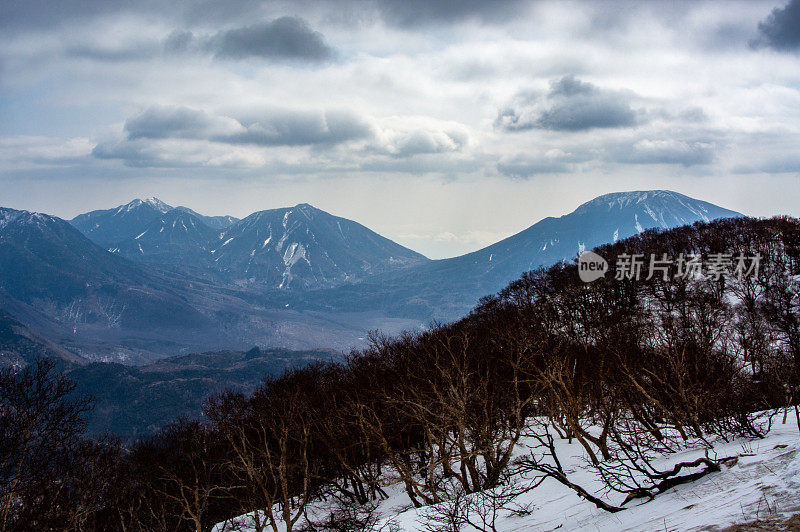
(756,493)
(134,402)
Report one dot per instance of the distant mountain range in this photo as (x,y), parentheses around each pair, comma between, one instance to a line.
(298,247)
(145,280)
(448,288)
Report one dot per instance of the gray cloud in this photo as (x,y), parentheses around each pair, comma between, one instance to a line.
(781,29)
(298,128)
(170,122)
(664,151)
(780,164)
(283,38)
(428,142)
(178,136)
(21,15)
(521,168)
(136,154)
(178,41)
(570,105)
(273,127)
(98,53)
(553,161)
(44,13)
(409,13)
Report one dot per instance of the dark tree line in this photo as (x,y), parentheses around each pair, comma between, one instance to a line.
(629,369)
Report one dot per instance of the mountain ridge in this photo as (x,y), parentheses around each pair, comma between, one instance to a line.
(293,277)
(446,289)
(288,247)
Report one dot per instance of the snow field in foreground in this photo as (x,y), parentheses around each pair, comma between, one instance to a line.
(764,483)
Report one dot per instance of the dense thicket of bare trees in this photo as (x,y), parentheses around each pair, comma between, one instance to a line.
(630,369)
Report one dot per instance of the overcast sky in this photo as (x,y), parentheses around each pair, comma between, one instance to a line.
(444,125)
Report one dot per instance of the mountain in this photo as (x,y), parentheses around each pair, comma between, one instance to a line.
(297,247)
(52,275)
(607,218)
(178,236)
(305,247)
(448,288)
(45,257)
(111,226)
(102,307)
(297,277)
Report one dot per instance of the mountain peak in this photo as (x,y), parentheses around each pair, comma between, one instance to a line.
(625,199)
(9,216)
(666,207)
(305,247)
(153,202)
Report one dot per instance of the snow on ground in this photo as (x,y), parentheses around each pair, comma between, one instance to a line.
(764,483)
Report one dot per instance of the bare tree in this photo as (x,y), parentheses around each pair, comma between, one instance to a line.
(40,428)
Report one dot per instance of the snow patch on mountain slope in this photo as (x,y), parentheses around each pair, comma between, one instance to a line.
(8,216)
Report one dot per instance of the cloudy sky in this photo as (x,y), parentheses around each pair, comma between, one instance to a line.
(445,125)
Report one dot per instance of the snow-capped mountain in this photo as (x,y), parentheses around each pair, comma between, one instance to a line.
(42,256)
(607,218)
(179,236)
(448,288)
(305,247)
(296,247)
(111,227)
(102,307)
(57,281)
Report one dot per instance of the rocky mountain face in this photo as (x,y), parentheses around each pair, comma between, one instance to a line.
(50,267)
(607,218)
(100,306)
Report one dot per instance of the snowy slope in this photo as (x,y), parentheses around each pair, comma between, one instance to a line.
(215,222)
(764,483)
(607,218)
(111,227)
